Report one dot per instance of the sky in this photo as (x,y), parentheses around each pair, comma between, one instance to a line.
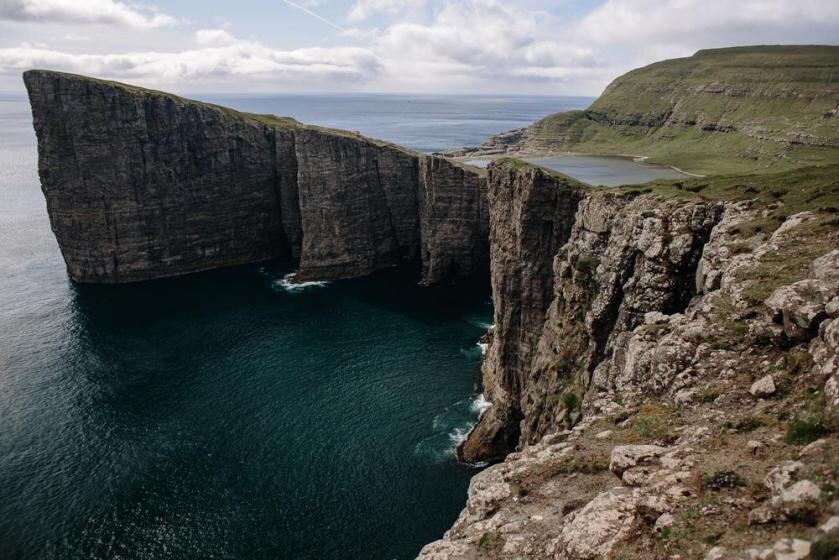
(560,47)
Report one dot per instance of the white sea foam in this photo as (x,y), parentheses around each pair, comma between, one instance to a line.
(483,346)
(289,285)
(457,436)
(451,426)
(480,324)
(480,404)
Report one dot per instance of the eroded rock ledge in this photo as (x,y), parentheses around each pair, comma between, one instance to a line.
(142,184)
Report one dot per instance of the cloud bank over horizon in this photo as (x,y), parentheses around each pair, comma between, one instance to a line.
(473,46)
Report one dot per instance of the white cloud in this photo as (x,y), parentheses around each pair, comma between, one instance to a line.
(212,62)
(363,9)
(76,37)
(108,12)
(707,22)
(480,40)
(214,37)
(469,45)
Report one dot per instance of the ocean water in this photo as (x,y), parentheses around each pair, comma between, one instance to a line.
(231,414)
(428,123)
(227,414)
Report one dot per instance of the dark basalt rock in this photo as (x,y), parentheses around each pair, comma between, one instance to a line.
(142,184)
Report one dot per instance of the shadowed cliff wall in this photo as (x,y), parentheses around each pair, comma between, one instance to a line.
(142,184)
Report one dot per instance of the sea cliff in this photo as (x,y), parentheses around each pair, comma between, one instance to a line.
(662,371)
(142,184)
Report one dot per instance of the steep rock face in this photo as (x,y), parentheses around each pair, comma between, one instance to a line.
(531,214)
(454,219)
(142,184)
(358,203)
(565,296)
(674,445)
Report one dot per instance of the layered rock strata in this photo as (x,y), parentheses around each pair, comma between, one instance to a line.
(531,216)
(142,184)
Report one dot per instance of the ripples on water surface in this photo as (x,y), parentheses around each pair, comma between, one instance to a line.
(222,415)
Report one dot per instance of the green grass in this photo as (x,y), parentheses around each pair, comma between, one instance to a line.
(720,111)
(490,541)
(571,401)
(802,432)
(651,422)
(782,193)
(825,548)
(709,395)
(588,264)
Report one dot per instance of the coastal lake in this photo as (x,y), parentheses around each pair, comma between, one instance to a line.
(607,171)
(229,414)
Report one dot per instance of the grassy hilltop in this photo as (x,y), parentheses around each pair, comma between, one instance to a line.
(727,110)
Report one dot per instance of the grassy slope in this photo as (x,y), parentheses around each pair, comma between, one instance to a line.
(777,106)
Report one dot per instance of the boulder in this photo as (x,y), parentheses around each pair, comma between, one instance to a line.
(813,448)
(782,476)
(801,307)
(761,515)
(599,527)
(801,491)
(626,456)
(763,387)
(791,549)
(664,521)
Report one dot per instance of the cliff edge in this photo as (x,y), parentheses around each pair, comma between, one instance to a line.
(143,184)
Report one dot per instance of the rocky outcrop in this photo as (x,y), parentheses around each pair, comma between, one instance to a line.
(142,184)
(454,219)
(572,274)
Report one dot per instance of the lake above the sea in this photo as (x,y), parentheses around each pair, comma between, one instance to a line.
(607,171)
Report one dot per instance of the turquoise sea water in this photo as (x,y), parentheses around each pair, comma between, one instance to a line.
(221,415)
